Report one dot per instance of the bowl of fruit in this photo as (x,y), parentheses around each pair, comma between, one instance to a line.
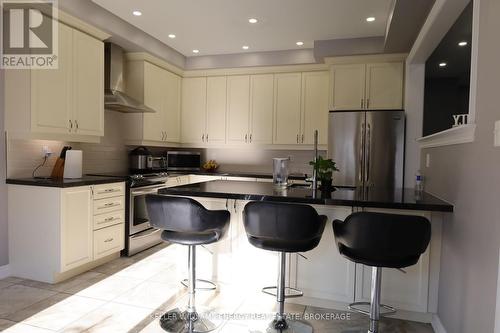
(210,166)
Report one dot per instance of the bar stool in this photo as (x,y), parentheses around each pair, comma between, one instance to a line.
(284,228)
(381,240)
(185,221)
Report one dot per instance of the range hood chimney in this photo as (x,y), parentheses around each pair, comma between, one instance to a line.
(114,98)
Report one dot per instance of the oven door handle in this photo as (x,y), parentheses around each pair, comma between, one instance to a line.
(150,233)
(149,191)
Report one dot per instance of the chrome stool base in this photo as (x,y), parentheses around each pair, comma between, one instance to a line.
(212,285)
(389,310)
(177,321)
(289,326)
(289,292)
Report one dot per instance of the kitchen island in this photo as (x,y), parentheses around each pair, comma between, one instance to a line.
(326,278)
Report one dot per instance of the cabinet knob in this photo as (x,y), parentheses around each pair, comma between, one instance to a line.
(70,125)
(203,138)
(207,137)
(250,138)
(246,137)
(302,138)
(297,138)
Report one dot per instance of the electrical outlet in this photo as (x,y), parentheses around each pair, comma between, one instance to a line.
(428,160)
(497,134)
(46,151)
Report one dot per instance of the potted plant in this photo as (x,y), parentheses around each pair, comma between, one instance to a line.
(324,172)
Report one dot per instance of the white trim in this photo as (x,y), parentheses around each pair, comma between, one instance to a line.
(437,325)
(497,312)
(4,271)
(363,59)
(452,136)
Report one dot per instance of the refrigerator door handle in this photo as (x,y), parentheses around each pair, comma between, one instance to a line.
(361,154)
(368,153)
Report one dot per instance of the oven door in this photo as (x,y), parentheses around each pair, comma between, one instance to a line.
(138,215)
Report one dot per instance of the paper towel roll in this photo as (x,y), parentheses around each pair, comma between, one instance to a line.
(73,164)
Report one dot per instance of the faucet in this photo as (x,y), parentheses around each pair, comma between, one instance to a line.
(315,176)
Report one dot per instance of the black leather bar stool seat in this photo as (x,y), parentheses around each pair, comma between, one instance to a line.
(185,221)
(284,228)
(381,240)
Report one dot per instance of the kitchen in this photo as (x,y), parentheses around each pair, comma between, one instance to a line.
(144,114)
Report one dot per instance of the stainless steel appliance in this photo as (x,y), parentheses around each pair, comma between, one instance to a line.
(368,147)
(140,159)
(183,161)
(158,163)
(114,97)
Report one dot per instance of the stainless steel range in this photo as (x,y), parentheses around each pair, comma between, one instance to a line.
(139,233)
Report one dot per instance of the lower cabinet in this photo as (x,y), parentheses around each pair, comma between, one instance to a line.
(63,233)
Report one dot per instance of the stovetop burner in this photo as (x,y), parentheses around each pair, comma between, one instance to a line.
(140,179)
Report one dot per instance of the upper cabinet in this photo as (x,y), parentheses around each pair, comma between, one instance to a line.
(215,132)
(315,87)
(261,109)
(160,90)
(66,103)
(287,108)
(238,109)
(372,86)
(194,110)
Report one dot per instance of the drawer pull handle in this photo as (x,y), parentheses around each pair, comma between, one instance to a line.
(108,240)
(110,204)
(109,219)
(109,190)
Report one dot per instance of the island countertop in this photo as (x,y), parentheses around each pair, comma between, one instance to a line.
(354,197)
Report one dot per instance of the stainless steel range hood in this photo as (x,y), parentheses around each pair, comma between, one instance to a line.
(114,98)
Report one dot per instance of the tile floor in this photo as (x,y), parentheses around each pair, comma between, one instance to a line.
(129,294)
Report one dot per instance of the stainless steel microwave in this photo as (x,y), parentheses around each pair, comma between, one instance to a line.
(183,161)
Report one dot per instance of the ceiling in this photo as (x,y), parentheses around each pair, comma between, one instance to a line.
(217,27)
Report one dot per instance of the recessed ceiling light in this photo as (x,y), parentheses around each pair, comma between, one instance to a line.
(300,43)
(196,51)
(137,13)
(443,64)
(253,20)
(171,36)
(245,47)
(370,19)
(463,43)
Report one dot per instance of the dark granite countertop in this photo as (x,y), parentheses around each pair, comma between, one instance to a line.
(49,182)
(293,176)
(375,198)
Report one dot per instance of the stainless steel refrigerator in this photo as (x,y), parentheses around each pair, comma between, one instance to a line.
(368,147)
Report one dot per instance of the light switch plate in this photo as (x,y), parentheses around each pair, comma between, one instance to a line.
(497,134)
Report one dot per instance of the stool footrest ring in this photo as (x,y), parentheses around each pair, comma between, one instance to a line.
(389,310)
(289,292)
(213,286)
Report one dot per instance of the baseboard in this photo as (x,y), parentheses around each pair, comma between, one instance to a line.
(437,325)
(4,271)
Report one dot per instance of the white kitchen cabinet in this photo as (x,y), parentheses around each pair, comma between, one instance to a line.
(315,88)
(261,109)
(325,274)
(160,90)
(287,108)
(384,86)
(348,87)
(238,109)
(64,233)
(66,103)
(370,86)
(194,110)
(88,84)
(76,227)
(216,110)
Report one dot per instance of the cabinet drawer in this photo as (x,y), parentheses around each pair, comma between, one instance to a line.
(108,219)
(108,205)
(109,240)
(109,190)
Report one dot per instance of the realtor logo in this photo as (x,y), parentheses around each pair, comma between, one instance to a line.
(29,34)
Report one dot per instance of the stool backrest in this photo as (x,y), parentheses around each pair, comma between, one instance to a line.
(385,240)
(281,221)
(182,214)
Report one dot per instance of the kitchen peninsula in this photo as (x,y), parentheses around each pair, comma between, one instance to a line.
(326,278)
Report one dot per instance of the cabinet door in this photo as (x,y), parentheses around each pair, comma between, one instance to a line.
(172,120)
(155,82)
(261,108)
(238,108)
(52,90)
(348,87)
(384,86)
(216,110)
(76,227)
(334,281)
(88,84)
(315,87)
(194,109)
(287,105)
